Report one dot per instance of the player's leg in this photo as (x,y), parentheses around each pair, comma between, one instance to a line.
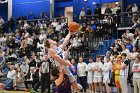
(95,84)
(75,86)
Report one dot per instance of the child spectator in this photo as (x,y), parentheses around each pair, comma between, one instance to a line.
(116,70)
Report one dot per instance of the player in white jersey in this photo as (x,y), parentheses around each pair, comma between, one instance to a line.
(56,56)
(106,69)
(89,69)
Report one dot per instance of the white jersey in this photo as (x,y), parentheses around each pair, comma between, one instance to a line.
(89,69)
(60,52)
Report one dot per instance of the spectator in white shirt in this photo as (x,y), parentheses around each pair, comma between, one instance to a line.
(107,73)
(81,70)
(54,23)
(134,8)
(97,78)
(58,29)
(82,13)
(11,76)
(90,75)
(125,50)
(136,75)
(1,21)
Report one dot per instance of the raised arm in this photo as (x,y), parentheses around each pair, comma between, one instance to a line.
(66,40)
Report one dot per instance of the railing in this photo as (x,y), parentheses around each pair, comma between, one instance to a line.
(123,19)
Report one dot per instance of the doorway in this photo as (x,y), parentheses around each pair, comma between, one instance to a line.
(69,14)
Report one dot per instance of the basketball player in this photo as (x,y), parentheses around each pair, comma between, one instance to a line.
(62,81)
(58,59)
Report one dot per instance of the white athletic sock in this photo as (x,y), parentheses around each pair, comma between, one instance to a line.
(80,87)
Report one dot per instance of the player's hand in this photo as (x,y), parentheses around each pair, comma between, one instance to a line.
(69,47)
(71,33)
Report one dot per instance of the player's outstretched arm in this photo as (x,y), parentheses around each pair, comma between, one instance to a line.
(52,53)
(66,40)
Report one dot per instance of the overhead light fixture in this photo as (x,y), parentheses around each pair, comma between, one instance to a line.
(3,1)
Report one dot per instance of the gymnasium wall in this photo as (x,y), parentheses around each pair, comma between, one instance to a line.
(131,2)
(4,11)
(24,7)
(78,4)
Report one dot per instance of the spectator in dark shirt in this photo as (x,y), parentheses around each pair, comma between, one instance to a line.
(129,8)
(117,45)
(32,62)
(88,11)
(97,10)
(11,23)
(108,10)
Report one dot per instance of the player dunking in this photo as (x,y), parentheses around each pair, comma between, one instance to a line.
(58,59)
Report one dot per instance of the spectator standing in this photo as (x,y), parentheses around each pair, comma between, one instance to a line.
(81,70)
(125,50)
(108,10)
(82,13)
(31,16)
(136,75)
(97,78)
(129,46)
(97,10)
(134,8)
(12,24)
(124,73)
(1,21)
(89,69)
(129,8)
(117,45)
(88,11)
(116,71)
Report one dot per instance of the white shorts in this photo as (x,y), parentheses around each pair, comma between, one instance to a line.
(89,80)
(69,74)
(106,80)
(97,79)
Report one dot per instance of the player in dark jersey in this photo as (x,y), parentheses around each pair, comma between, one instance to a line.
(62,81)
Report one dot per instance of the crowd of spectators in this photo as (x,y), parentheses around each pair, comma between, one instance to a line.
(22,51)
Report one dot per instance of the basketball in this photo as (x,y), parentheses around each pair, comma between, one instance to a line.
(73,26)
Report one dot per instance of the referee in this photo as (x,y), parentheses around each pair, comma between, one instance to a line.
(45,75)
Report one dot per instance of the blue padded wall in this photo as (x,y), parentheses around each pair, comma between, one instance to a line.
(24,7)
(4,11)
